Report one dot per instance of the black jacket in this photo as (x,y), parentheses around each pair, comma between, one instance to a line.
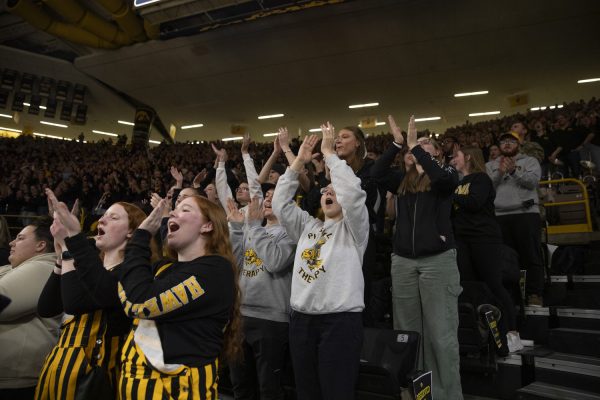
(423,226)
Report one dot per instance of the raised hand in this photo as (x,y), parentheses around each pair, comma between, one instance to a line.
(411,135)
(306,149)
(152,221)
(246,143)
(328,142)
(59,233)
(200,176)
(255,210)
(62,213)
(178,176)
(284,138)
(221,153)
(233,214)
(398,138)
(155,200)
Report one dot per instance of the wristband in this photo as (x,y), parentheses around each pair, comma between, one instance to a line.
(66,255)
(398,145)
(57,265)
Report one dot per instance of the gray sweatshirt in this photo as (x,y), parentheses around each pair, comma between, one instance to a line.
(514,189)
(327,276)
(265,256)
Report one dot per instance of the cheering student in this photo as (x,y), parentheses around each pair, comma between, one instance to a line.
(186,313)
(425,278)
(327,281)
(478,235)
(84,285)
(265,255)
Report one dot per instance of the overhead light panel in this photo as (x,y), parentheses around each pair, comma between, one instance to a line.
(104,133)
(270,116)
(192,126)
(544,107)
(588,80)
(54,124)
(427,119)
(229,139)
(29,105)
(363,105)
(315,130)
(380,123)
(10,129)
(270,134)
(154,141)
(6,116)
(49,136)
(479,114)
(471,93)
(125,123)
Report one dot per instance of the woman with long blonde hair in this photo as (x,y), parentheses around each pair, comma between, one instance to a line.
(186,312)
(425,278)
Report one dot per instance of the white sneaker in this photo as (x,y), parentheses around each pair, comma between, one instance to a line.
(514,342)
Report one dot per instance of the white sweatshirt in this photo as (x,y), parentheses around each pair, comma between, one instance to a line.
(327,276)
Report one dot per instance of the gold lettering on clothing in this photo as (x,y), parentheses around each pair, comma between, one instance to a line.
(312,257)
(167,301)
(463,189)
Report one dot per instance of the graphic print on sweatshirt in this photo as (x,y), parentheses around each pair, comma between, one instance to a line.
(253,265)
(313,264)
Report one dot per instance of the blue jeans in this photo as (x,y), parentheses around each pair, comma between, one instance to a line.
(425,298)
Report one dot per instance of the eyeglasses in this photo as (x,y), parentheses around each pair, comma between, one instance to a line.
(327,189)
(242,189)
(424,141)
(508,141)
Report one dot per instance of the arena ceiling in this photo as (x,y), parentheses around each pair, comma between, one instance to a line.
(311,64)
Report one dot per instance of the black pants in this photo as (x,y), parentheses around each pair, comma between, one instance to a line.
(17,394)
(484,262)
(523,233)
(265,347)
(325,352)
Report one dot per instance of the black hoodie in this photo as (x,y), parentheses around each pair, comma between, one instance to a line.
(423,226)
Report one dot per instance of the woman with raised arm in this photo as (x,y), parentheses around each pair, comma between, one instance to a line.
(265,256)
(84,286)
(425,278)
(327,281)
(186,313)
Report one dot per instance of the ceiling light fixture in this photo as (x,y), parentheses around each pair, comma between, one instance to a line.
(29,105)
(154,141)
(270,116)
(5,116)
(104,133)
(49,136)
(229,139)
(544,107)
(588,80)
(10,129)
(427,119)
(471,93)
(54,124)
(363,105)
(270,134)
(192,126)
(125,123)
(315,130)
(479,114)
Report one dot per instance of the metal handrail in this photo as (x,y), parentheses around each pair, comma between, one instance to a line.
(585,201)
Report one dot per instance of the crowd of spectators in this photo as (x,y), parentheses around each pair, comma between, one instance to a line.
(104,172)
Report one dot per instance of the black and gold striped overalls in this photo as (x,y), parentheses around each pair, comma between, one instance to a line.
(83,343)
(139,381)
